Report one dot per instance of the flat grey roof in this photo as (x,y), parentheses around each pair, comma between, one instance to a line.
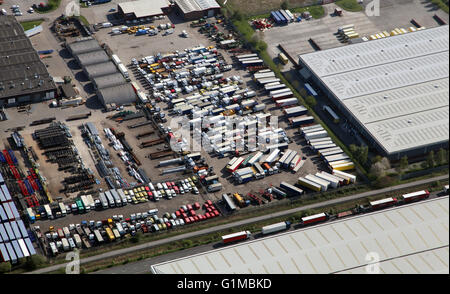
(144,8)
(404,234)
(389,81)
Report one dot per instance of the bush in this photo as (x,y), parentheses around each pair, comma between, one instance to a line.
(311,101)
(33,262)
(285,5)
(187,243)
(5,267)
(135,238)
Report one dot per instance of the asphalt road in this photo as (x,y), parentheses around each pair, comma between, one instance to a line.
(238,223)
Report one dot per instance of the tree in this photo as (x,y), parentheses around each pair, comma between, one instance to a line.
(441,157)
(403,163)
(377,170)
(361,153)
(5,267)
(377,158)
(311,101)
(33,262)
(285,5)
(430,160)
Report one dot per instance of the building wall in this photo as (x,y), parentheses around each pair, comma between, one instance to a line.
(26,99)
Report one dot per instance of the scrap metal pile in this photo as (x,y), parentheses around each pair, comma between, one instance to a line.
(59,149)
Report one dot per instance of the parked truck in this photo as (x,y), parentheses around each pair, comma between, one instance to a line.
(235,237)
(281,226)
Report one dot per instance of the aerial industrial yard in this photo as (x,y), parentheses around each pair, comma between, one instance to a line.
(142,121)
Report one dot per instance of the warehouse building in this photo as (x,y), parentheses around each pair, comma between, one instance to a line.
(142,9)
(394,90)
(23,76)
(90,58)
(100,69)
(105,81)
(195,9)
(408,239)
(83,46)
(119,95)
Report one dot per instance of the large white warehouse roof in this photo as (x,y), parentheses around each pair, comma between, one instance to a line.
(410,239)
(392,85)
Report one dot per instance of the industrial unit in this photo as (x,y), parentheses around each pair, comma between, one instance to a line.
(394,90)
(142,9)
(408,239)
(195,9)
(23,76)
(108,81)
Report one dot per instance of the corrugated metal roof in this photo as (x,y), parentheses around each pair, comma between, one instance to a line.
(388,76)
(378,52)
(388,81)
(101,69)
(413,130)
(397,102)
(403,232)
(121,94)
(188,6)
(144,8)
(84,46)
(109,80)
(92,58)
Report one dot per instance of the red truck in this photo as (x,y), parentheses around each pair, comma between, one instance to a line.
(307,220)
(236,237)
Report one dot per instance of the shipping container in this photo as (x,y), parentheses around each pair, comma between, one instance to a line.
(281,226)
(309,184)
(301,121)
(295,111)
(310,90)
(334,183)
(226,199)
(312,219)
(334,117)
(415,196)
(383,203)
(233,167)
(324,184)
(291,189)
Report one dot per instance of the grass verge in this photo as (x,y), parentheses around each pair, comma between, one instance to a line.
(349,5)
(30,24)
(442,4)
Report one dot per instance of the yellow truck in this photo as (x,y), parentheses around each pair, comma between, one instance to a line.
(283,58)
(238,199)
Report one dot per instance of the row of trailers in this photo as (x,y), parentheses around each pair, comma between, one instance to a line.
(319,141)
(282,17)
(321,181)
(323,216)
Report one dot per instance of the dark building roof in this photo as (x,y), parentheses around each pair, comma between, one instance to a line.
(110,80)
(68,91)
(21,70)
(121,94)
